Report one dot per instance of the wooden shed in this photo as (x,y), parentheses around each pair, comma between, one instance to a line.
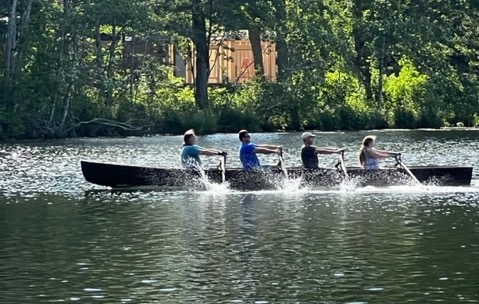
(230,61)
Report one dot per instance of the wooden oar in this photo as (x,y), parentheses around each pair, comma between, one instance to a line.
(223,168)
(341,163)
(281,164)
(399,161)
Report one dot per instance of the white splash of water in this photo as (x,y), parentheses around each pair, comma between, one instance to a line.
(223,188)
(210,186)
(349,184)
(291,185)
(295,186)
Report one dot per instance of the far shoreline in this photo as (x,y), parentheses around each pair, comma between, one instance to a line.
(46,140)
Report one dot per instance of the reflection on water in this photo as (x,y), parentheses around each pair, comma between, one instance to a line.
(169,247)
(64,240)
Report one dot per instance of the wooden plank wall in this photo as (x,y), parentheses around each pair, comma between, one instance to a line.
(231,61)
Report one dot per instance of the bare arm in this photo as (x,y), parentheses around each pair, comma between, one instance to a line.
(271,147)
(328,150)
(384,151)
(262,150)
(379,154)
(209,152)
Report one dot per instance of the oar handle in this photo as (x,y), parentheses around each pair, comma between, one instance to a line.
(222,160)
(398,160)
(222,168)
(222,164)
(341,157)
(280,159)
(281,162)
(341,163)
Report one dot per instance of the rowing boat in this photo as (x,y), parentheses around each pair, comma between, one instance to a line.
(119,176)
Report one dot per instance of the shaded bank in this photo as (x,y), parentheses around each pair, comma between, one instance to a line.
(338,67)
(258,106)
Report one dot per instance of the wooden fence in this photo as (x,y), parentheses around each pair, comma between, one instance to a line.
(230,61)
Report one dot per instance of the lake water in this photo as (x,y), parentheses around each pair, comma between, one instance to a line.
(64,240)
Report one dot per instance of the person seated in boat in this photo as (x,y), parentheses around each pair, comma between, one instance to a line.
(309,152)
(369,156)
(248,151)
(190,153)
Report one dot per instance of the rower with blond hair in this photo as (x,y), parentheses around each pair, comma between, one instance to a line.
(190,153)
(369,156)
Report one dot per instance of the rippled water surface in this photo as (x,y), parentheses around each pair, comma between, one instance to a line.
(64,240)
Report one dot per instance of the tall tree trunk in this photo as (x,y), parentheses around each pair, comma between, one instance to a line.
(66,110)
(281,45)
(282,59)
(22,45)
(111,61)
(363,65)
(26,16)
(8,99)
(11,39)
(68,60)
(255,40)
(99,55)
(200,40)
(111,55)
(362,55)
(381,66)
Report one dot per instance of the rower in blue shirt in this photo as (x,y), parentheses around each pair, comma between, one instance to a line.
(190,154)
(248,151)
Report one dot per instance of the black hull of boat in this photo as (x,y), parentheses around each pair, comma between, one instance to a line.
(121,176)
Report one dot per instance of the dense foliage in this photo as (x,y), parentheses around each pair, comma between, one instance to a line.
(76,67)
